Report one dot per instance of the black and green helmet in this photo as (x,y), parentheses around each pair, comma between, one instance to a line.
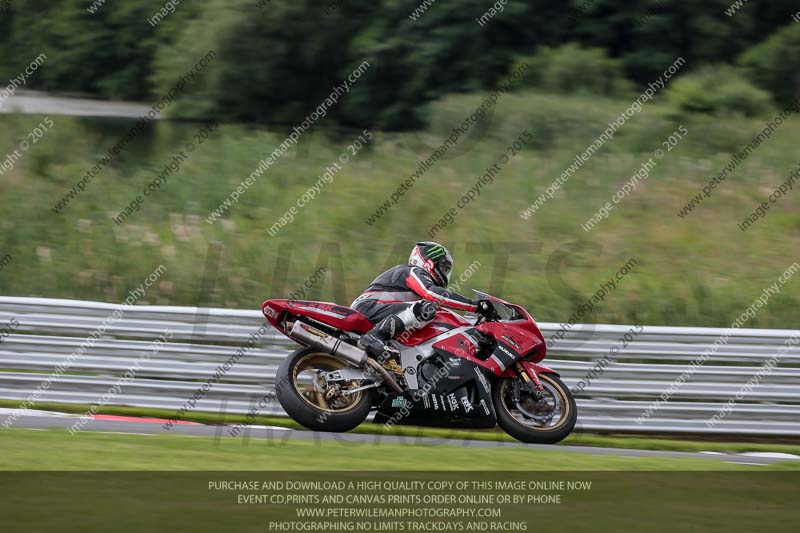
(434,258)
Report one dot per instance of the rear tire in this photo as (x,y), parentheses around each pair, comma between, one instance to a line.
(527,430)
(303,406)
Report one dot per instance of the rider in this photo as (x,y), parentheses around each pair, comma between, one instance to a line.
(404,297)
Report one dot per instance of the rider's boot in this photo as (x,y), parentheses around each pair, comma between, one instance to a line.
(374,342)
(410,319)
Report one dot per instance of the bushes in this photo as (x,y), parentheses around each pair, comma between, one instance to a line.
(571,69)
(109,53)
(774,65)
(551,263)
(717,89)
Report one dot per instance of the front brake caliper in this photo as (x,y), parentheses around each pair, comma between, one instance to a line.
(529,388)
(515,391)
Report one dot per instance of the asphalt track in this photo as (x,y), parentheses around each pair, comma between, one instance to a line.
(152,426)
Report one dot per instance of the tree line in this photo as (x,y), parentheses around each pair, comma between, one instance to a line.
(279,59)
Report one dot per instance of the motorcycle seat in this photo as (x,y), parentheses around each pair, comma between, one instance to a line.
(338,316)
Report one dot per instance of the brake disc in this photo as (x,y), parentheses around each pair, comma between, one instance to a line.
(538,403)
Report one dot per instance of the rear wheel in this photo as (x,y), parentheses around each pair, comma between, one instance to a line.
(533,416)
(320,406)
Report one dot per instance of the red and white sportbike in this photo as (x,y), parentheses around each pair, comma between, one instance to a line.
(454,372)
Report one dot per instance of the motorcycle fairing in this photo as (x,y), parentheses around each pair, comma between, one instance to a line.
(464,342)
(444,320)
(511,344)
(460,397)
(334,315)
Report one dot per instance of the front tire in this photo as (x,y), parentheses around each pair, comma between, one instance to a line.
(299,394)
(536,421)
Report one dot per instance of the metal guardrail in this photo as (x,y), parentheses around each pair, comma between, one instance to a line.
(50,330)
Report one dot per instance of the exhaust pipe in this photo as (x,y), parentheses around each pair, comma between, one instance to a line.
(327,343)
(387,379)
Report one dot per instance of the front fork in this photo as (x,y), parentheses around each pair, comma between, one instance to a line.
(528,373)
(528,377)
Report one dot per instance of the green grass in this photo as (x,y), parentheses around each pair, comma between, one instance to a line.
(700,271)
(57,450)
(164,483)
(576,439)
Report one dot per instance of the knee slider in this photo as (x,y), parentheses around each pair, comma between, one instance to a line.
(424,310)
(406,317)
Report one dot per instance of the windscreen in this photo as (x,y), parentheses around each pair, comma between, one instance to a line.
(505,312)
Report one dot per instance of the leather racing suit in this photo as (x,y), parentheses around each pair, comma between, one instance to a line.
(401,299)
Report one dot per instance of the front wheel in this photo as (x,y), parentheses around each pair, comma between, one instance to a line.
(533,416)
(320,406)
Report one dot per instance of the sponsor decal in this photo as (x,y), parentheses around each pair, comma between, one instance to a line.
(444,404)
(313,331)
(505,351)
(399,402)
(511,342)
(454,361)
(270,312)
(482,379)
(453,402)
(535,379)
(325,310)
(426,401)
(466,404)
(485,407)
(435,402)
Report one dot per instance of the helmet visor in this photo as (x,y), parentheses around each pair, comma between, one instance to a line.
(446,268)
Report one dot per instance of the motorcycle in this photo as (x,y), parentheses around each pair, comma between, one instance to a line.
(453,372)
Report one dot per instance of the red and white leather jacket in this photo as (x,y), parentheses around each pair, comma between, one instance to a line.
(403,284)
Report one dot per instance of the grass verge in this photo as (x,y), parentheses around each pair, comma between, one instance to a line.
(576,439)
(55,449)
